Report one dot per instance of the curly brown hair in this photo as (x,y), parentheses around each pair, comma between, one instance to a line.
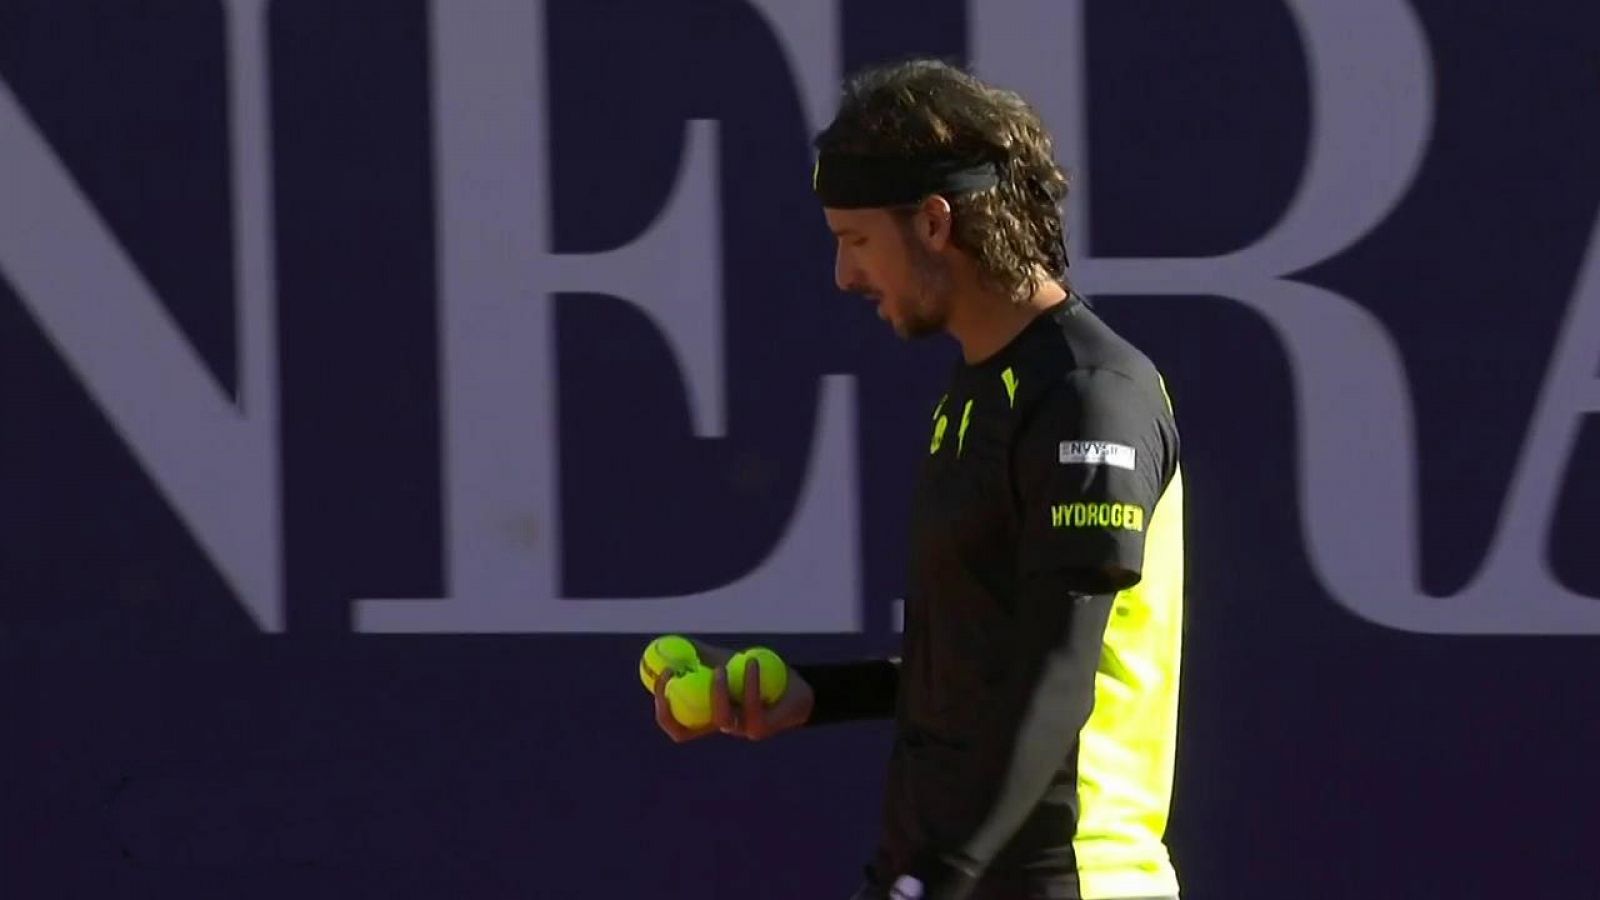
(1013,231)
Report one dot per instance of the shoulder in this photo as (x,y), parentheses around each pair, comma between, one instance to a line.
(1102,404)
(1082,362)
(1109,390)
(1133,395)
(1112,409)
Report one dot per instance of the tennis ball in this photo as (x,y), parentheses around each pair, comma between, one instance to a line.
(669,652)
(689,697)
(774,674)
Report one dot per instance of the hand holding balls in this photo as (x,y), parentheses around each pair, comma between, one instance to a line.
(692,701)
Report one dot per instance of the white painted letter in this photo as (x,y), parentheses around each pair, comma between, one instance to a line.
(215,461)
(1372,104)
(498,363)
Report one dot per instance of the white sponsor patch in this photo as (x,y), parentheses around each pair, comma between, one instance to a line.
(1096,453)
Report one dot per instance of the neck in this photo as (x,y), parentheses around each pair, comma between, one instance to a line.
(983,322)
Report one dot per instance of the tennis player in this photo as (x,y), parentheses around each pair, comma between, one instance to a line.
(1035,698)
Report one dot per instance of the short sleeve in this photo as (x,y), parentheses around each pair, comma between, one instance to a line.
(1090,464)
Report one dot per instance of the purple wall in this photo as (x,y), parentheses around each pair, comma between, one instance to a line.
(375,377)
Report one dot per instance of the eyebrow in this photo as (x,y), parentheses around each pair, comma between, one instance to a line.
(845,231)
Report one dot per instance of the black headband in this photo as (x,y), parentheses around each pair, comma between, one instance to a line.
(848,181)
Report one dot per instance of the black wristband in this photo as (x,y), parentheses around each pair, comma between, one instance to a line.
(851,691)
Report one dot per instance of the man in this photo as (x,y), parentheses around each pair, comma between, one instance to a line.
(1035,701)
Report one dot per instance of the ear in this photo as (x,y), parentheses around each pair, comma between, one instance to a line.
(933,222)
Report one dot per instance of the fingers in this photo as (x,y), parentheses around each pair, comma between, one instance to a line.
(664,712)
(721,706)
(745,716)
(793,709)
(754,712)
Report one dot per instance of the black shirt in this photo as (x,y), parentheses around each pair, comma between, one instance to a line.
(1044,468)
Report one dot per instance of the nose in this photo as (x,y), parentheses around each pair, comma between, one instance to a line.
(844,271)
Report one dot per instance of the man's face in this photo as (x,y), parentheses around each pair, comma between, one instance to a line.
(881,258)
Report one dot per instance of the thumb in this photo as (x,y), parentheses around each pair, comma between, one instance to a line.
(794,707)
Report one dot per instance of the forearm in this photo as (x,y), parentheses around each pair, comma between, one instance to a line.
(1033,721)
(851,691)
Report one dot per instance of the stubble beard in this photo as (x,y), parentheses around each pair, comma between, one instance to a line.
(929,311)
